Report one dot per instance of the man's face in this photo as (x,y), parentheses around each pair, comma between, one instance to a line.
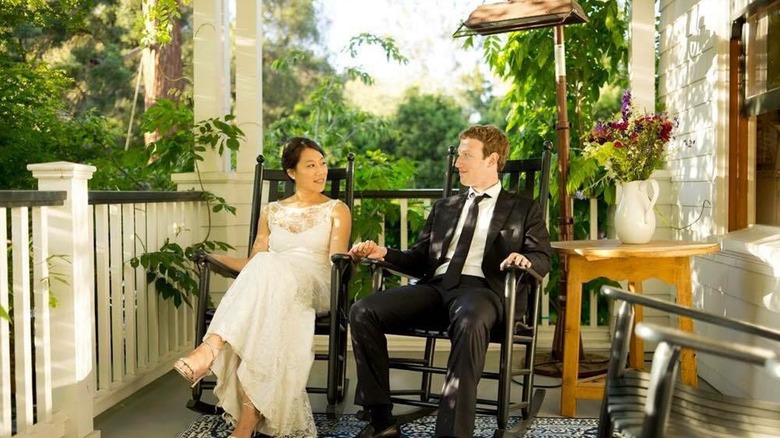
(476,170)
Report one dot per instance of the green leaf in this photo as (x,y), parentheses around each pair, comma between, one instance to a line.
(4,314)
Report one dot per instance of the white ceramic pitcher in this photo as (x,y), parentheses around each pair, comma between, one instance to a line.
(634,215)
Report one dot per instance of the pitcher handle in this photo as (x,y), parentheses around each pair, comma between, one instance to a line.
(653,197)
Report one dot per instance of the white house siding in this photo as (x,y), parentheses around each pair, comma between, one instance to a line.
(736,282)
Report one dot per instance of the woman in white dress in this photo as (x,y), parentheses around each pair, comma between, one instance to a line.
(260,341)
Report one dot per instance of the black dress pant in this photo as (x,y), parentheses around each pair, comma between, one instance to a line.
(468,311)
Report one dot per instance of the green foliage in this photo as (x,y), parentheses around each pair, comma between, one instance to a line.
(179,149)
(171,269)
(380,172)
(31,27)
(290,27)
(427,124)
(596,54)
(482,105)
(160,17)
(387,44)
(325,116)
(35,125)
(53,275)
(183,144)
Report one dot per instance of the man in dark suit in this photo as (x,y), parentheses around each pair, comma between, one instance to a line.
(462,250)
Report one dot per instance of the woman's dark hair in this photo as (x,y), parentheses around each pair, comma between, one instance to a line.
(292,151)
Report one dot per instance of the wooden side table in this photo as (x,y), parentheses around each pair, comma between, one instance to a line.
(668,261)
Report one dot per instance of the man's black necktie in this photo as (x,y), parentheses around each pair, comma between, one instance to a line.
(452,276)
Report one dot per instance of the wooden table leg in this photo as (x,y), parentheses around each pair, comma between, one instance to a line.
(688,369)
(571,338)
(636,356)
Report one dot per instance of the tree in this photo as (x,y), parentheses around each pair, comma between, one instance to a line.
(162,54)
(36,121)
(427,124)
(481,102)
(290,30)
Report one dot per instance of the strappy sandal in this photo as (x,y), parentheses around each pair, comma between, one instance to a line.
(190,373)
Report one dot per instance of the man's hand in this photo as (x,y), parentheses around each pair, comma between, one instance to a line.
(369,249)
(515,259)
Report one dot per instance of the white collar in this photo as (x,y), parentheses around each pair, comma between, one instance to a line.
(492,191)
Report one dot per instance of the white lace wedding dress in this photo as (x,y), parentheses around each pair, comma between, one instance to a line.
(267,321)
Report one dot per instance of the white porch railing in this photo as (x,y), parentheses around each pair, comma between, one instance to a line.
(109,334)
(138,339)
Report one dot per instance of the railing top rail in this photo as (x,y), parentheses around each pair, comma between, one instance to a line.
(399,194)
(97,197)
(30,198)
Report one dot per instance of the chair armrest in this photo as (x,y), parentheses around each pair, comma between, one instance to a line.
(743,353)
(342,263)
(676,309)
(340,257)
(513,272)
(205,260)
(374,265)
(519,271)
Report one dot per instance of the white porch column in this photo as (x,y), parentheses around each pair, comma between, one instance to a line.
(641,67)
(72,332)
(249,81)
(211,66)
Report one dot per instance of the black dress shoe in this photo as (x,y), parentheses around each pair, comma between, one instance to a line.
(391,431)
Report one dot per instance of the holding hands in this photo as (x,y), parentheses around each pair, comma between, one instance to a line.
(516,259)
(369,249)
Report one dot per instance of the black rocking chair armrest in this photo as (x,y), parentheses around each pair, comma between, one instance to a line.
(342,263)
(216,266)
(374,265)
(517,271)
(520,271)
(340,258)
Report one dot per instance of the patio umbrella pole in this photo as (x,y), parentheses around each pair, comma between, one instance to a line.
(565,220)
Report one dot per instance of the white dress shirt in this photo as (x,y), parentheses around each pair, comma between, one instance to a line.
(476,253)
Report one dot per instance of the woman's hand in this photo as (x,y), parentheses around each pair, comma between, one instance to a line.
(369,249)
(517,260)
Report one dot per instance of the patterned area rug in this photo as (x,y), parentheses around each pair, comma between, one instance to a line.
(212,426)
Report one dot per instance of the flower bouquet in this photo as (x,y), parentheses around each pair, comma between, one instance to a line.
(630,148)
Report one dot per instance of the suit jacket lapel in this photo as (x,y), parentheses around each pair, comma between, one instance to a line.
(451,209)
(504,205)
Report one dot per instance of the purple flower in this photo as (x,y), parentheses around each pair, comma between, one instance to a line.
(625,107)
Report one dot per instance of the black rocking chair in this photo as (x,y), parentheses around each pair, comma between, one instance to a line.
(332,324)
(517,176)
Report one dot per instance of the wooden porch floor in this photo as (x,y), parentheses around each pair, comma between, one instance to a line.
(159,409)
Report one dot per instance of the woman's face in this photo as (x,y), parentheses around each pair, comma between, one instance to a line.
(311,171)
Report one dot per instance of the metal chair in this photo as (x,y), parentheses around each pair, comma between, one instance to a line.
(655,404)
(332,324)
(532,177)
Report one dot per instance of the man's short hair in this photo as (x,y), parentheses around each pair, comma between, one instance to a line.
(493,140)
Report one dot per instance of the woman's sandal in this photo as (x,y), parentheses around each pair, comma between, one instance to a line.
(190,373)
